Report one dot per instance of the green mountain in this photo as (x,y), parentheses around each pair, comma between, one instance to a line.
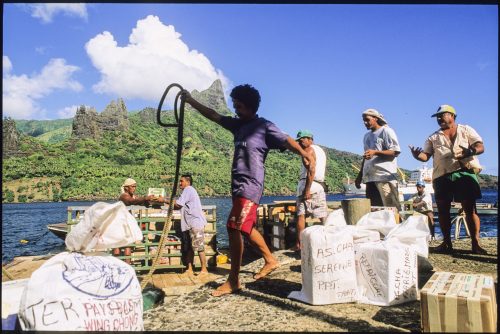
(48,161)
(81,169)
(36,128)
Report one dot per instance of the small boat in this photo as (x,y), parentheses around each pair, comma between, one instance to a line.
(350,188)
(59,229)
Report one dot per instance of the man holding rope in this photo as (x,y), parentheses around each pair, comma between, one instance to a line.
(254,136)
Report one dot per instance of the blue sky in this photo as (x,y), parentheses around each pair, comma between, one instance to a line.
(316,66)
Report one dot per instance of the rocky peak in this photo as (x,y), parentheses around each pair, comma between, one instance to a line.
(10,138)
(213,97)
(114,117)
(85,123)
(148,115)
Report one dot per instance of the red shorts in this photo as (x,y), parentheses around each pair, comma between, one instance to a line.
(243,215)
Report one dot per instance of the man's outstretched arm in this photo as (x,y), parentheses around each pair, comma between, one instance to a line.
(204,110)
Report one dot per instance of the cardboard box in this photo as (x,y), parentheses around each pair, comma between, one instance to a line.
(455,302)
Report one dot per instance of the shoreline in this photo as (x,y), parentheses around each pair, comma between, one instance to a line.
(207,197)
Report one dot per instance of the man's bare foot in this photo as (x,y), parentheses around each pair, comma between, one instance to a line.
(444,248)
(203,273)
(188,273)
(479,250)
(266,270)
(226,289)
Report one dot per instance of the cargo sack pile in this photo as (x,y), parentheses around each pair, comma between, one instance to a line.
(87,289)
(386,270)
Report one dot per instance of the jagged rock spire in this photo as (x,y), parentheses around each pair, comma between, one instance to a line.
(10,138)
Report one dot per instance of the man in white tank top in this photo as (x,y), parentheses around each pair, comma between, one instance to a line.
(311,197)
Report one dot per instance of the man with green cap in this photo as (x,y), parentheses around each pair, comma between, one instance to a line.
(454,148)
(311,197)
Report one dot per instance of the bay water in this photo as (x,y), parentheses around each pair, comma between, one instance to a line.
(25,233)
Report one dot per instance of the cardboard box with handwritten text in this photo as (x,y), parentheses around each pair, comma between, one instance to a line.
(456,302)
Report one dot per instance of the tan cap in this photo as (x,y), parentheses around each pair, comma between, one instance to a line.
(129,182)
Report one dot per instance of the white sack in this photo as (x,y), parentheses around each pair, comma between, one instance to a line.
(104,226)
(413,232)
(382,221)
(336,218)
(328,266)
(386,273)
(72,291)
(359,235)
(11,296)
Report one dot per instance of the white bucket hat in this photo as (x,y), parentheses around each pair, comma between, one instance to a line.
(374,113)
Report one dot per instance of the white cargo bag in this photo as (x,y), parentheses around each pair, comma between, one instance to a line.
(382,221)
(386,272)
(72,291)
(104,226)
(11,296)
(413,232)
(336,218)
(360,235)
(328,266)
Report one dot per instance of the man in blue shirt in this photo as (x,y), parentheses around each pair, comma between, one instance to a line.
(254,136)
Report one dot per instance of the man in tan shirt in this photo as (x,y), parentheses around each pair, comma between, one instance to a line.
(454,148)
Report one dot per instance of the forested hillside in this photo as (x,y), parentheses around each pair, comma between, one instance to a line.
(88,157)
(79,169)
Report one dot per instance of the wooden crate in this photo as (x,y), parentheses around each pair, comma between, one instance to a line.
(455,302)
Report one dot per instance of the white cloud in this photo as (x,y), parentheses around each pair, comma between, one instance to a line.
(68,112)
(6,65)
(154,58)
(20,93)
(47,11)
(41,50)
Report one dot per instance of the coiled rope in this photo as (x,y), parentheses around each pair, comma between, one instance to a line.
(179,124)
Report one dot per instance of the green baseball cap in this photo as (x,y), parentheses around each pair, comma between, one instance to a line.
(304,133)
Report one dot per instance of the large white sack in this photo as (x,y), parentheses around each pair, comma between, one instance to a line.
(382,221)
(336,218)
(360,235)
(104,226)
(328,266)
(413,232)
(386,272)
(72,291)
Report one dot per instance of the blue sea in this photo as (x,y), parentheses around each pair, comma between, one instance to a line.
(28,221)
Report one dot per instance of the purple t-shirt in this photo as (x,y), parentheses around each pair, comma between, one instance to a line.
(252,141)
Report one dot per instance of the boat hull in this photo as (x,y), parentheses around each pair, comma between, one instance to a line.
(60,230)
